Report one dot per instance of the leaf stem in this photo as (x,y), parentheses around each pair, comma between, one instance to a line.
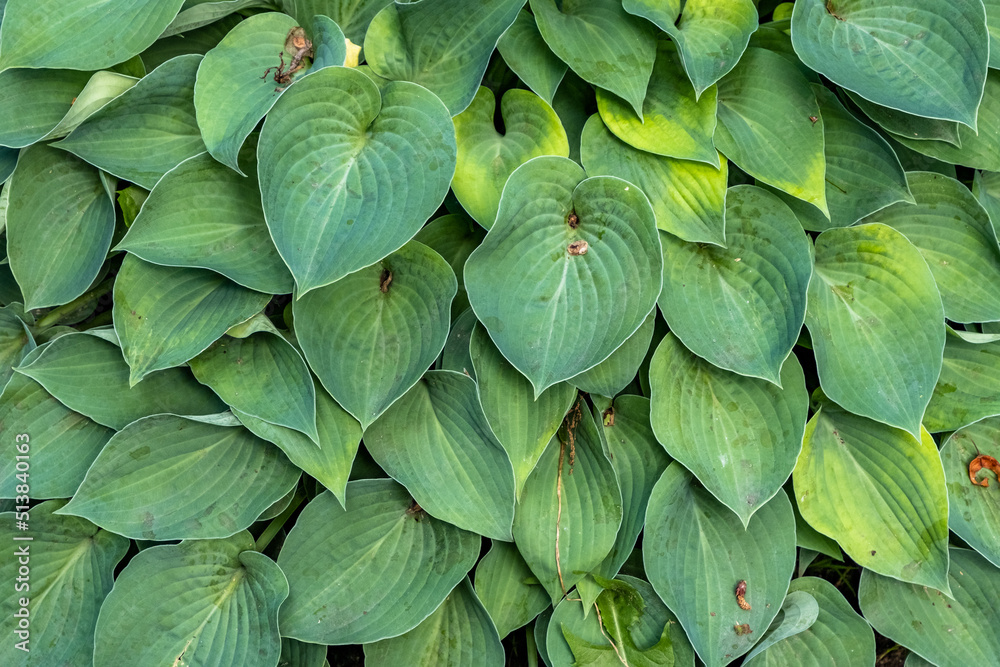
(278,522)
(529,639)
(54,316)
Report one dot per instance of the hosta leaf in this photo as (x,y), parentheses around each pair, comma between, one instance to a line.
(862,172)
(655,620)
(638,460)
(907,125)
(798,613)
(15,342)
(986,187)
(34,102)
(524,424)
(436,442)
(458,634)
(696,551)
(371,335)
(444,45)
(574,102)
(197,13)
(879,492)
(236,85)
(71,571)
(102,87)
(710,36)
(946,630)
(147,130)
(968,388)
(263,376)
(508,589)
(740,436)
(917,56)
(766,126)
(529,57)
(454,237)
(741,307)
(327,153)
(167,477)
(838,635)
(59,225)
(486,158)
(953,233)
(688,198)
(222,597)
(300,654)
(200,41)
(203,215)
(613,374)
(339,437)
(372,571)
(74,34)
(63,443)
(566,246)
(974,511)
(876,324)
(455,356)
(980,148)
(573,516)
(8,158)
(602,43)
(69,367)
(674,122)
(353,16)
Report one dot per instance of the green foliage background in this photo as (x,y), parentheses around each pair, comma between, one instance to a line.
(300,300)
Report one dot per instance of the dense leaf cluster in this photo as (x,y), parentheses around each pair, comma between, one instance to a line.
(302,299)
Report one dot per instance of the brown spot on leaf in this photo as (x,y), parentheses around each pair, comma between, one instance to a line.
(609,416)
(741,630)
(741,590)
(980,462)
(385,280)
(578,247)
(572,220)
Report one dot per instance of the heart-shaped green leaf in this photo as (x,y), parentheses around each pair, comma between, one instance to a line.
(371,335)
(711,34)
(508,589)
(203,215)
(897,122)
(696,552)
(602,43)
(879,492)
(688,198)
(674,122)
(770,125)
(612,375)
(863,175)
(241,73)
(974,509)
(147,130)
(454,237)
(571,506)
(918,56)
(34,102)
(947,630)
(486,158)
(740,436)
(638,460)
(968,388)
(16,341)
(60,220)
(102,87)
(418,42)
(74,34)
(979,149)
(798,613)
(876,324)
(167,477)
(954,234)
(66,570)
(194,15)
(529,57)
(455,356)
(164,316)
(655,622)
(838,631)
(328,148)
(560,243)
(372,571)
(741,307)
(222,595)
(524,424)
(437,443)
(339,437)
(201,41)
(459,632)
(353,16)
(69,366)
